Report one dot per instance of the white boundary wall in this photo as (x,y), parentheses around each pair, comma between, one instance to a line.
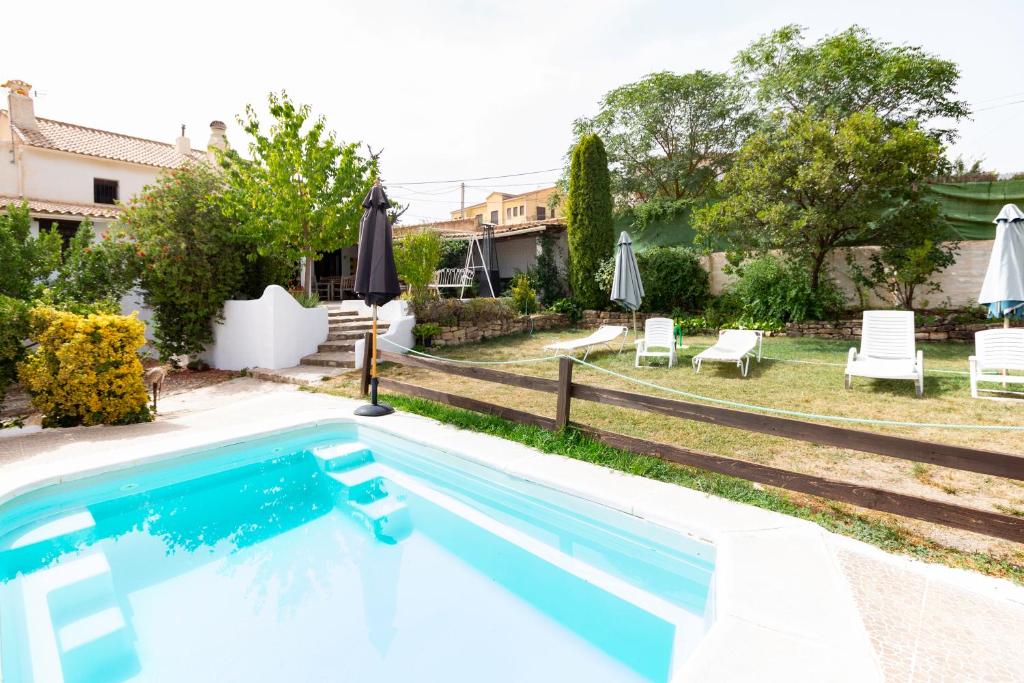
(273,332)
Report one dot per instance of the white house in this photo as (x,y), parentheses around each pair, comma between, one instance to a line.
(69,173)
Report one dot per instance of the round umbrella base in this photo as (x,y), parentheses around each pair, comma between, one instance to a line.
(374,410)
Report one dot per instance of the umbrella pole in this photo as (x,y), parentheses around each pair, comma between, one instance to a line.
(374,409)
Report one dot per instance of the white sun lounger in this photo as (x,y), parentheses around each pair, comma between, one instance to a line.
(887,349)
(999,349)
(605,334)
(733,346)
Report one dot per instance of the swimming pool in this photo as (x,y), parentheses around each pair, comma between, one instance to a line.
(337,552)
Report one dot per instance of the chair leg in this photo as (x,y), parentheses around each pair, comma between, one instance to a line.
(745,366)
(849,382)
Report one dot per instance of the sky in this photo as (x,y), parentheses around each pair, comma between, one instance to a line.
(452,90)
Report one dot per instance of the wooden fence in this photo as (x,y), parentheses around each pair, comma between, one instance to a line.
(566,390)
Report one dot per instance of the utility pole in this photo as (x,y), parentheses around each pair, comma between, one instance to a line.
(462,213)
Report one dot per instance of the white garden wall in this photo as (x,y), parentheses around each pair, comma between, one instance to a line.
(271,332)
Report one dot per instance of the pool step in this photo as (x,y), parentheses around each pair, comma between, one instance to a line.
(363,483)
(342,456)
(387,517)
(72,524)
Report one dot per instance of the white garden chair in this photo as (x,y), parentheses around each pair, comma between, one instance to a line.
(999,349)
(658,342)
(733,346)
(605,334)
(887,350)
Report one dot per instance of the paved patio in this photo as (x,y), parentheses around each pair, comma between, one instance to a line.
(913,621)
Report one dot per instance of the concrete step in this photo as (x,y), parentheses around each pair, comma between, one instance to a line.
(341,345)
(342,455)
(337,312)
(343,336)
(302,375)
(331,359)
(356,327)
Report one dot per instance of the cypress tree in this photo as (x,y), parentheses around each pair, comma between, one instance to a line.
(589,220)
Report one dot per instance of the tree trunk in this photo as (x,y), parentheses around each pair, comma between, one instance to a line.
(819,262)
(308,274)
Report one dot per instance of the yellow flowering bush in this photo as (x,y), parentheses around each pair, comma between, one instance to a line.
(86,368)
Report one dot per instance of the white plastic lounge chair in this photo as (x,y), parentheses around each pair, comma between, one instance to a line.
(1000,349)
(887,349)
(733,346)
(658,334)
(605,334)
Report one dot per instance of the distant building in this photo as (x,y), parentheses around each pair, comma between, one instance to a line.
(68,173)
(501,208)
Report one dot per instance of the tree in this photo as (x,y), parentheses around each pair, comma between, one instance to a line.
(589,220)
(301,193)
(915,248)
(852,72)
(416,258)
(192,255)
(808,184)
(26,262)
(668,135)
(92,271)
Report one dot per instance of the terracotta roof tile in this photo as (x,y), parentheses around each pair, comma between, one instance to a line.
(69,137)
(64,208)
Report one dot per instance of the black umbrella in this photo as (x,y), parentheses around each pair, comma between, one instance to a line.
(376,276)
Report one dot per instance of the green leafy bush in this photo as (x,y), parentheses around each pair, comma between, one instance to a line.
(92,271)
(424,332)
(545,276)
(770,289)
(311,300)
(453,312)
(13,333)
(193,257)
(524,298)
(673,279)
(25,261)
(569,308)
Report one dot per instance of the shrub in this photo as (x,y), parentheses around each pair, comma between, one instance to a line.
(424,332)
(25,261)
(311,300)
(452,312)
(93,271)
(770,289)
(673,279)
(193,258)
(569,308)
(524,298)
(545,277)
(86,369)
(13,333)
(589,220)
(416,259)
(453,253)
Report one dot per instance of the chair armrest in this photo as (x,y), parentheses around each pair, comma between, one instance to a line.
(640,343)
(852,355)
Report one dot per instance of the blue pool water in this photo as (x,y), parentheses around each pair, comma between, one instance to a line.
(333,554)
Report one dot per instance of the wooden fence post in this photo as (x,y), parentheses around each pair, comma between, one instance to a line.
(364,382)
(564,392)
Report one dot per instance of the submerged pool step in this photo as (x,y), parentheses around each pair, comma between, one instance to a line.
(388,518)
(342,456)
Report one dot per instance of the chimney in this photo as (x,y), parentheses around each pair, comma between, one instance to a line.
(19,102)
(182,143)
(217,139)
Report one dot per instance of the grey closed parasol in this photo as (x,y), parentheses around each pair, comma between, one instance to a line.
(627,287)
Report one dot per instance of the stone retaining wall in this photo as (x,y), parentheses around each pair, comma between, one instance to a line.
(943,330)
(473,332)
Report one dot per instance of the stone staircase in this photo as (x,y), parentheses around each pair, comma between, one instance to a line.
(344,328)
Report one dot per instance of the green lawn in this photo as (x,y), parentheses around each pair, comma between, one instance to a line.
(813,386)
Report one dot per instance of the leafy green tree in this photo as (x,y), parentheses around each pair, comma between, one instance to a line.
(914,249)
(26,262)
(416,258)
(589,220)
(192,256)
(14,331)
(300,195)
(92,271)
(809,184)
(852,72)
(668,135)
(546,275)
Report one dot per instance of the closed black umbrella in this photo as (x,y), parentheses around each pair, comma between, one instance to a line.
(376,276)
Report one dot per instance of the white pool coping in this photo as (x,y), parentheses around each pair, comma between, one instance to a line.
(782,609)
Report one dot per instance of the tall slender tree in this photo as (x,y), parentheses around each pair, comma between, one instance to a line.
(589,220)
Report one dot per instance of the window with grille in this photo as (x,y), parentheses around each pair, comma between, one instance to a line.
(104,191)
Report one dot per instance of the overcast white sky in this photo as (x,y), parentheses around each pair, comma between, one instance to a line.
(454,89)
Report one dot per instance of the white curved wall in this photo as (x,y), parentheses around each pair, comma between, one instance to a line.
(272,332)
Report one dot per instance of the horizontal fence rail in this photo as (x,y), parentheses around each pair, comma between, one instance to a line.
(955,457)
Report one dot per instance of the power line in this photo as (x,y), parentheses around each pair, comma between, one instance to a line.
(1000,97)
(997,106)
(466,180)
